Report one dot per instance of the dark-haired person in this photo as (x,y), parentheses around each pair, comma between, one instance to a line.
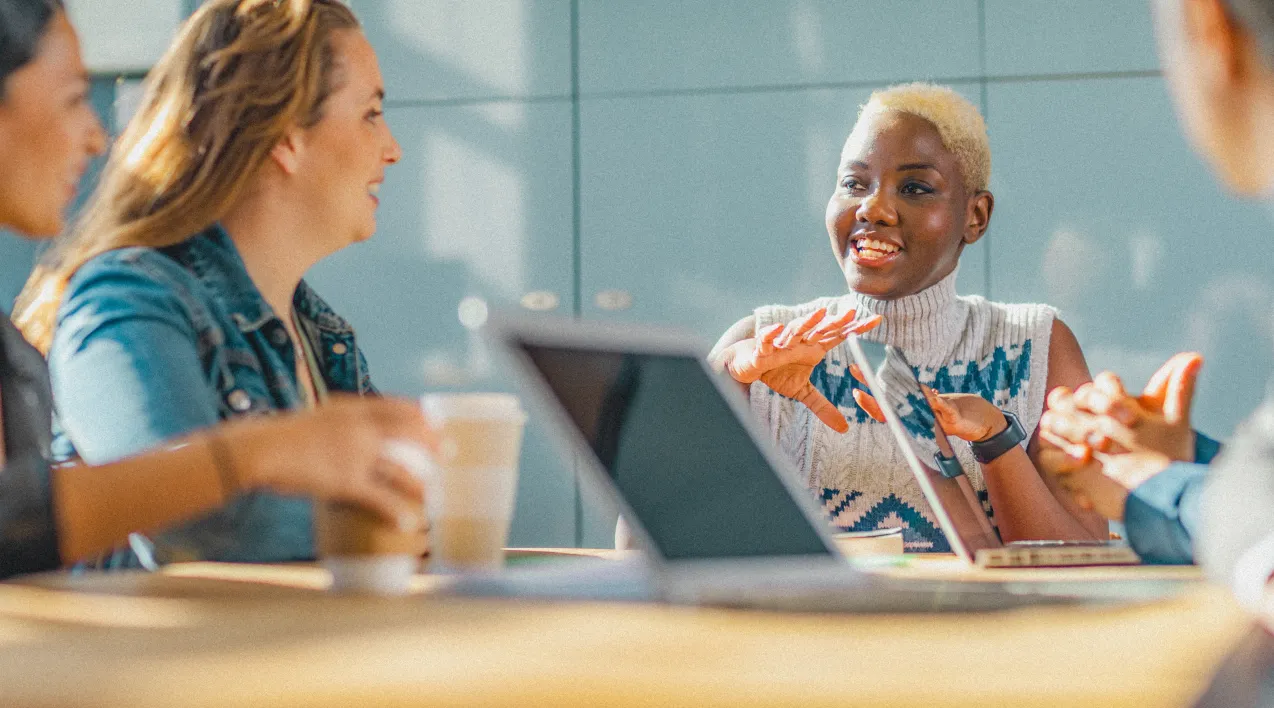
(1134,456)
(52,517)
(911,192)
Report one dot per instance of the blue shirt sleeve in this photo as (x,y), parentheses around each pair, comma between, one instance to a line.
(123,361)
(1205,449)
(1161,516)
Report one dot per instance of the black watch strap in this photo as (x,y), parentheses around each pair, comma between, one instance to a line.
(948,467)
(1000,443)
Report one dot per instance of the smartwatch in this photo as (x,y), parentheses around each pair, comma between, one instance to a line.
(1000,443)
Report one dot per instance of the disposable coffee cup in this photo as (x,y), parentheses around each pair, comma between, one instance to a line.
(471,490)
(365,553)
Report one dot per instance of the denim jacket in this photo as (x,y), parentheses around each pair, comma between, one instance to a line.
(152,344)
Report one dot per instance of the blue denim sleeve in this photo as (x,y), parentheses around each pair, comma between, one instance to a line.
(1161,516)
(1205,449)
(124,363)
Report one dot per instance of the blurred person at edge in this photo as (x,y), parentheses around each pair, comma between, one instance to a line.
(1133,456)
(50,517)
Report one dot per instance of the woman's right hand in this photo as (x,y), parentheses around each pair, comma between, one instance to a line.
(335,452)
(784,357)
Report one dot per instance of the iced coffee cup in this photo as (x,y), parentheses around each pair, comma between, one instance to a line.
(472,488)
(364,552)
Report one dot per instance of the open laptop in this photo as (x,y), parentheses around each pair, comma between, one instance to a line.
(927,449)
(716,510)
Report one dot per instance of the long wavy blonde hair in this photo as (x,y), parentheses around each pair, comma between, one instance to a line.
(240,74)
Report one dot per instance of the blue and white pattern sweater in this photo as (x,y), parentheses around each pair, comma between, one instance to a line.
(957,345)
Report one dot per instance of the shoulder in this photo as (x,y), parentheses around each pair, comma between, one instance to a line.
(1025,319)
(1022,334)
(1066,363)
(1006,326)
(126,283)
(126,270)
(1036,331)
(1040,326)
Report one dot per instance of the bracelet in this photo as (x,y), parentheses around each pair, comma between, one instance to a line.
(222,462)
(988,450)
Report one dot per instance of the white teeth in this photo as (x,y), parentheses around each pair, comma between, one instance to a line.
(373,189)
(875,248)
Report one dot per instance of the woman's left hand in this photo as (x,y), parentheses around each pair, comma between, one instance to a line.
(964,415)
(967,416)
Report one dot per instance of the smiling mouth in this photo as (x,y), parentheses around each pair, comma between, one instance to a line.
(870,251)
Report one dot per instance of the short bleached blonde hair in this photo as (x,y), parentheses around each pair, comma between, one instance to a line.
(959,124)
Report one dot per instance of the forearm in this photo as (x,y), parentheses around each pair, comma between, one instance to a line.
(1026,508)
(96,507)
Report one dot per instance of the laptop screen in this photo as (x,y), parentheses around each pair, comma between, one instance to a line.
(677,453)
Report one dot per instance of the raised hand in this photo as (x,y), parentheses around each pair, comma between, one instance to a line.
(1102,443)
(1100,483)
(964,415)
(783,358)
(967,416)
(1104,417)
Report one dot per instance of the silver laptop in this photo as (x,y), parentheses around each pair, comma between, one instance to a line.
(928,451)
(716,510)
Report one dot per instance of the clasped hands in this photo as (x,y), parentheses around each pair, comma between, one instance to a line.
(784,356)
(1101,442)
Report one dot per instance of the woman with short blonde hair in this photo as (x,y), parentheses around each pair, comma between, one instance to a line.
(911,193)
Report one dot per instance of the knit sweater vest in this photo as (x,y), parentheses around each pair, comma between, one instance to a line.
(955,344)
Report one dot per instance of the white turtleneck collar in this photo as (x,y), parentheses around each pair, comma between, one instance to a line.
(926,325)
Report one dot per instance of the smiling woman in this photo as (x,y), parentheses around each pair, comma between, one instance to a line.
(177,300)
(910,194)
(50,517)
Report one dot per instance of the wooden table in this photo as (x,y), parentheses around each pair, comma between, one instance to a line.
(214,635)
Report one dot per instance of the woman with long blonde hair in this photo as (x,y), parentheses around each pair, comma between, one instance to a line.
(49,517)
(177,300)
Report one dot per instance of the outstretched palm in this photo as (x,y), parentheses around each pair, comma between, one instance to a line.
(784,357)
